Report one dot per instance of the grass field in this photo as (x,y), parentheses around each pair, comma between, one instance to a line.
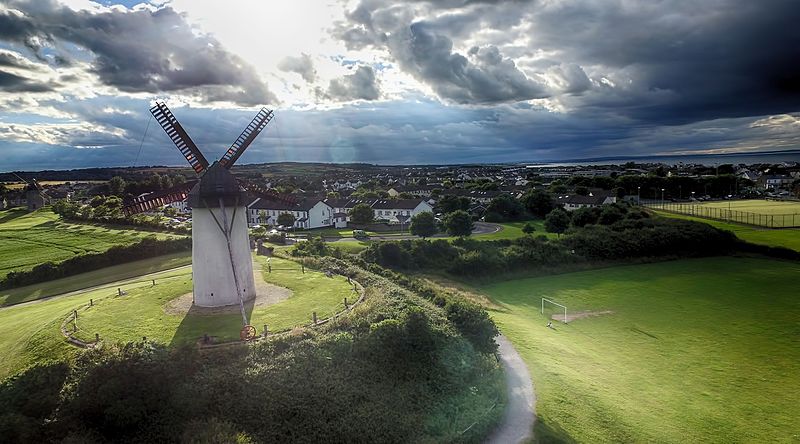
(758,212)
(29,239)
(702,350)
(30,332)
(116,273)
(783,237)
(756,206)
(141,312)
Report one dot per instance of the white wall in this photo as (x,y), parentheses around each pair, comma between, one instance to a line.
(212,274)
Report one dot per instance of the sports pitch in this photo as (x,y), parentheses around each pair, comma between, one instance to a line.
(702,350)
(757,206)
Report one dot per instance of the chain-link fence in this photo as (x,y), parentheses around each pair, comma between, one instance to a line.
(729,215)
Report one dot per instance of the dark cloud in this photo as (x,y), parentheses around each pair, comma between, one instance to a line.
(663,62)
(140,50)
(360,85)
(302,65)
(13,83)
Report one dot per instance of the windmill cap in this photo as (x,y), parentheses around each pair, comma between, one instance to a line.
(216,183)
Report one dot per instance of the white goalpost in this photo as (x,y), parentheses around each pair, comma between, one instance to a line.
(564,319)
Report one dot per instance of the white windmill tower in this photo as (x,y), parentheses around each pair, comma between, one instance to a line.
(222,265)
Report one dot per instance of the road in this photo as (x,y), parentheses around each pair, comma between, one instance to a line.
(520,414)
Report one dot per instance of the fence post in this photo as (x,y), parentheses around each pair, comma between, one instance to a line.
(314,317)
(345,303)
(91,302)
(265,330)
(97,337)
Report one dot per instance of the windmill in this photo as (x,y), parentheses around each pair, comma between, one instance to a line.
(222,267)
(34,194)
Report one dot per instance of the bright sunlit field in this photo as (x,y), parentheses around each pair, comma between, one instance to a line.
(702,350)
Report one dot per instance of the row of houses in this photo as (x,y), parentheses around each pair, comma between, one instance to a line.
(316,213)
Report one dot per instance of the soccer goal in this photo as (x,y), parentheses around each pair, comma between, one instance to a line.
(553,310)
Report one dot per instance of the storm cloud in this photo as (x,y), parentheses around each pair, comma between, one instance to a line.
(140,50)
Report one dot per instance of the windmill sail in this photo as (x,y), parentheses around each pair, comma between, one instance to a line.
(246,138)
(179,137)
(158,199)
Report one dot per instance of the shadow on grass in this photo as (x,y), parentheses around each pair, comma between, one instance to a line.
(221,325)
(547,433)
(13,214)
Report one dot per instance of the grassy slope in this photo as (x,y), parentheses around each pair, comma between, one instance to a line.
(29,332)
(141,312)
(94,278)
(29,239)
(784,237)
(696,351)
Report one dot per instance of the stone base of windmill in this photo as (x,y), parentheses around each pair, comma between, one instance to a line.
(266,294)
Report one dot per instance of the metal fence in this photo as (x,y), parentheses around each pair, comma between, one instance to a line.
(724,214)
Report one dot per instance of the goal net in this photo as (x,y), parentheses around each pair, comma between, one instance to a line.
(554,311)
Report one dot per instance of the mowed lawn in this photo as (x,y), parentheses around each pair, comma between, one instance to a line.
(29,239)
(703,350)
(141,312)
(774,237)
(30,332)
(761,206)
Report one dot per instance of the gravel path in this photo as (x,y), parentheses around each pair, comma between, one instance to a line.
(520,414)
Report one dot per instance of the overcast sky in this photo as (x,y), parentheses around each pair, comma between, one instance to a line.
(378,81)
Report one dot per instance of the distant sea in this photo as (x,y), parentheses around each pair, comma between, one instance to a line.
(768,157)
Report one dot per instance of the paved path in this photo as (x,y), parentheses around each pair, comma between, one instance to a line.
(520,414)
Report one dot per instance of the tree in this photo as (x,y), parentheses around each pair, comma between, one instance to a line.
(538,202)
(581,191)
(116,186)
(423,225)
(262,216)
(286,219)
(458,223)
(585,216)
(556,221)
(362,214)
(448,204)
(504,208)
(528,228)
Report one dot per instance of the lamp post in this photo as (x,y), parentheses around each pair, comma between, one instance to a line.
(662,198)
(639,196)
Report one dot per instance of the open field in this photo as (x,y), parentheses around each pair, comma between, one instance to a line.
(119,274)
(30,332)
(759,212)
(21,185)
(29,239)
(783,237)
(701,350)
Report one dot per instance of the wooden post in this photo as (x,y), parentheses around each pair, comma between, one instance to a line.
(269,268)
(345,303)
(97,337)
(303,266)
(154,282)
(119,291)
(91,302)
(75,313)
(265,330)
(314,317)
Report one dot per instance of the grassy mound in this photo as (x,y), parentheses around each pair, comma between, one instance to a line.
(398,368)
(701,350)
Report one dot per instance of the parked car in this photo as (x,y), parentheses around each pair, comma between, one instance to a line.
(360,234)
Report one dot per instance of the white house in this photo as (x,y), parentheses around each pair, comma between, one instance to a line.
(576,201)
(399,210)
(308,213)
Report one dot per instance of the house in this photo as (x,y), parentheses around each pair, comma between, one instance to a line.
(308,213)
(573,202)
(771,182)
(399,210)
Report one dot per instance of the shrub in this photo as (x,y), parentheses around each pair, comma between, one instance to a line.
(458,223)
(528,228)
